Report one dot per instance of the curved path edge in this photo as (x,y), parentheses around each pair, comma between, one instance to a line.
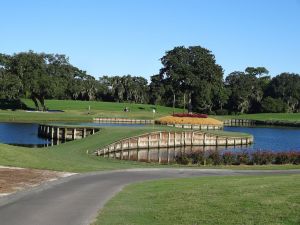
(78,198)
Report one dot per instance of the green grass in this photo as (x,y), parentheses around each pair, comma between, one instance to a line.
(103,109)
(265,116)
(72,156)
(78,111)
(23,116)
(247,200)
(227,133)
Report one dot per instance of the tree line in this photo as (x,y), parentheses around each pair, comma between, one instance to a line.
(189,78)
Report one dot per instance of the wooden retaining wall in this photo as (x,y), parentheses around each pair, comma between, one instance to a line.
(197,126)
(65,133)
(137,121)
(158,140)
(239,122)
(123,120)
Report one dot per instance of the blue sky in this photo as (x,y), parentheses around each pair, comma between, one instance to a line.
(118,37)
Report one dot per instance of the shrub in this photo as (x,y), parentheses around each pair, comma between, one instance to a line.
(237,158)
(294,157)
(215,157)
(182,159)
(228,158)
(281,158)
(242,158)
(262,157)
(197,157)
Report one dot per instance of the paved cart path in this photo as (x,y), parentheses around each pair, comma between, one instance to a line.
(77,199)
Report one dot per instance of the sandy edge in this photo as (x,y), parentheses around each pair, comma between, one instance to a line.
(59,175)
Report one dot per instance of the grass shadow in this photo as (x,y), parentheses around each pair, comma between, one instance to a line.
(13,104)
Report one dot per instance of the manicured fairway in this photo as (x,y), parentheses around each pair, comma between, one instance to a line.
(258,200)
(103,109)
(78,111)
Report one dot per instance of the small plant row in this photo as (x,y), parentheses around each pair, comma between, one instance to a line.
(194,115)
(238,158)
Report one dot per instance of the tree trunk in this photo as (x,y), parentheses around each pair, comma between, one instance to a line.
(34,99)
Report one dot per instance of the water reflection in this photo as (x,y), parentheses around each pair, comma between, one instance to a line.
(163,155)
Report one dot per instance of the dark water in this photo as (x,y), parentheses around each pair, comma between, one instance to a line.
(265,138)
(23,134)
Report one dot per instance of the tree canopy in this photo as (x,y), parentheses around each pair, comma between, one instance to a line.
(192,75)
(189,78)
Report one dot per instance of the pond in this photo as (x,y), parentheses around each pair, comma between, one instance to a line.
(271,138)
(265,138)
(22,134)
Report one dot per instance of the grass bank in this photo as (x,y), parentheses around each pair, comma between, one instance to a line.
(76,155)
(211,200)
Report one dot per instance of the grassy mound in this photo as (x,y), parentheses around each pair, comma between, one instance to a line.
(188,120)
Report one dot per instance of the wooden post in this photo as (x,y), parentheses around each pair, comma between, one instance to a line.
(192,138)
(84,133)
(57,133)
(181,139)
(52,132)
(121,150)
(174,139)
(74,133)
(65,133)
(48,132)
(137,149)
(168,144)
(129,149)
(159,139)
(115,155)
